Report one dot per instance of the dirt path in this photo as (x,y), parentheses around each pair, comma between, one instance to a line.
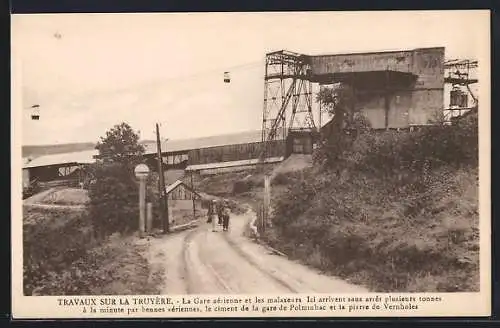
(36,201)
(56,206)
(200,261)
(294,162)
(37,198)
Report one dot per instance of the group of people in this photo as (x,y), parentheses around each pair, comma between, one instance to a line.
(221,209)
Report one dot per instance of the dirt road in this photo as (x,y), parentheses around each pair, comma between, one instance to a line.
(200,261)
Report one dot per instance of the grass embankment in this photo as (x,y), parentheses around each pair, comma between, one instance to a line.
(62,258)
(379,234)
(236,187)
(182,216)
(398,212)
(66,196)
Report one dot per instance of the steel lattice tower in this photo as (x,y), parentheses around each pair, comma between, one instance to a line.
(287,96)
(460,74)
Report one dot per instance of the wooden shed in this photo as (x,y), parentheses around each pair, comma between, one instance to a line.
(183,201)
(299,142)
(58,169)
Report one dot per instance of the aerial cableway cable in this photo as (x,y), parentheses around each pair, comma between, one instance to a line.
(174,80)
(158,84)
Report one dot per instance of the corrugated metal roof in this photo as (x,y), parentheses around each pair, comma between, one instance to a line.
(177,183)
(168,146)
(212,141)
(173,186)
(81,157)
(231,164)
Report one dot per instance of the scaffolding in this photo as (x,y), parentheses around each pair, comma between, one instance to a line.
(289,78)
(287,96)
(460,74)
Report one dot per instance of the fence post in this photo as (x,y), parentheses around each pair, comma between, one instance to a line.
(142,200)
(169,211)
(267,200)
(149,218)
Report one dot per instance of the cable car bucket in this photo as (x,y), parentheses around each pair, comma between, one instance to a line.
(35,112)
(227,78)
(458,98)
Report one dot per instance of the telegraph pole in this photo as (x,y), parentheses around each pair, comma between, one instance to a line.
(161,185)
(165,202)
(193,196)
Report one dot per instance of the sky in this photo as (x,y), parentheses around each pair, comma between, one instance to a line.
(89,72)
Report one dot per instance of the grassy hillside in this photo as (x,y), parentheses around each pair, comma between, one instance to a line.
(388,236)
(61,257)
(397,212)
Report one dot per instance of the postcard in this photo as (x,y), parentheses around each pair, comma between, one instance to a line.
(244,165)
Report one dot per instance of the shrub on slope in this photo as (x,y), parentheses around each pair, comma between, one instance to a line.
(60,257)
(402,215)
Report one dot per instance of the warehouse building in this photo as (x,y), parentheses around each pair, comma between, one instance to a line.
(58,169)
(393,89)
(214,154)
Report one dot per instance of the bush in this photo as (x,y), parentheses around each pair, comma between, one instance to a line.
(52,240)
(61,258)
(114,199)
(391,152)
(281,179)
(429,148)
(242,186)
(402,215)
(236,207)
(31,190)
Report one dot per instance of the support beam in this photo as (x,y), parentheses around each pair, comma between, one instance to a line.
(387,103)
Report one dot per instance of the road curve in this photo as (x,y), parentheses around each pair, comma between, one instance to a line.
(201,261)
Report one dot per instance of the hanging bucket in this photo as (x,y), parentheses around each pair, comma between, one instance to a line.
(35,112)
(458,98)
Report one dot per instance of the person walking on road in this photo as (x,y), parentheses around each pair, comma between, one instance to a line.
(220,209)
(212,216)
(210,212)
(225,217)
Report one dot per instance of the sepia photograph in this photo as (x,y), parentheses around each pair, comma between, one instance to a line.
(264,163)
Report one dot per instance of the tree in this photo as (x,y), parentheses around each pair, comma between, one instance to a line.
(114,193)
(121,144)
(346,124)
(339,101)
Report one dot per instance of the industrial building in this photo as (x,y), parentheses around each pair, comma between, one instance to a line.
(393,89)
(215,154)
(58,169)
(208,155)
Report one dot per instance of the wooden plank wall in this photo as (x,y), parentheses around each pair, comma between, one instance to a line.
(237,152)
(181,193)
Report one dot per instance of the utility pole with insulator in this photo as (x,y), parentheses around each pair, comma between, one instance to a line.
(193,197)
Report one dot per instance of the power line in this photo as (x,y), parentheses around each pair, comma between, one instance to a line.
(157,84)
(161,82)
